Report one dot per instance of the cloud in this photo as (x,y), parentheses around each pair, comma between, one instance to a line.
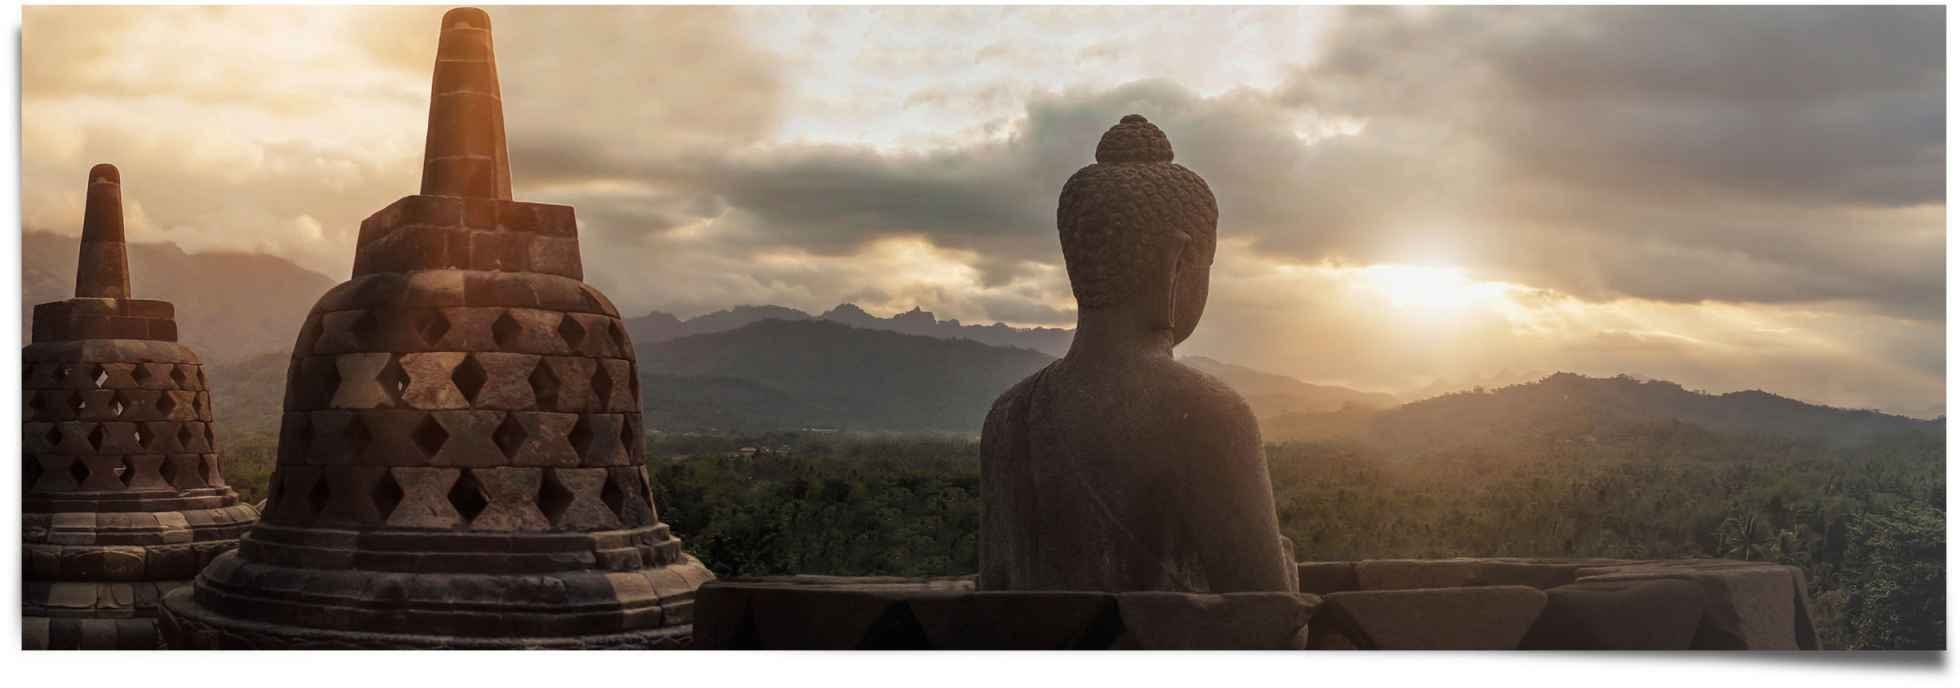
(1658,187)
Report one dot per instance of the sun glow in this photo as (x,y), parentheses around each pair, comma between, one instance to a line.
(1430,289)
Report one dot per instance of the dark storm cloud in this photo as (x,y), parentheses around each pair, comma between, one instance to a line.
(1772,155)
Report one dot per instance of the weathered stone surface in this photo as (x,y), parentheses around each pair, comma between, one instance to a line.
(459,457)
(1233,621)
(119,454)
(1618,615)
(1117,468)
(1749,605)
(871,613)
(1481,618)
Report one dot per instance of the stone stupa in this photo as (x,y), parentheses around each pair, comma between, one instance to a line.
(461,460)
(122,496)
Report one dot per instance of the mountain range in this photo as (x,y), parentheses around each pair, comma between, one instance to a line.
(1567,406)
(659,327)
(770,367)
(230,305)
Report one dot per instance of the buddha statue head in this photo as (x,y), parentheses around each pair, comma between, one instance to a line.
(1138,233)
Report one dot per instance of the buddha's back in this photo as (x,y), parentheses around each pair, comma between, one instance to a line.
(1117,468)
(1145,476)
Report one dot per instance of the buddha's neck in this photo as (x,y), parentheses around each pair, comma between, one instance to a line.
(1115,334)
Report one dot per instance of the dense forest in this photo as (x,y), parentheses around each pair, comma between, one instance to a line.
(1863,513)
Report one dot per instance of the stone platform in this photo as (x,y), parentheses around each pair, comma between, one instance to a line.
(1434,604)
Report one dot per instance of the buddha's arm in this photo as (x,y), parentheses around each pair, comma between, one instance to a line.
(1233,521)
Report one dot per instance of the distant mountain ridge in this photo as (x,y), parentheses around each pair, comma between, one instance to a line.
(1571,406)
(1272,394)
(783,374)
(658,326)
(230,305)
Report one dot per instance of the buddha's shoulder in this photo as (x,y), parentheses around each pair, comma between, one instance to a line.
(1013,402)
(1198,393)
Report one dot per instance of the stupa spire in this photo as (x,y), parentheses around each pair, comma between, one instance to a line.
(465,153)
(102,270)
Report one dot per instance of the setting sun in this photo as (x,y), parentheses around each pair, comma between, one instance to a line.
(1426,288)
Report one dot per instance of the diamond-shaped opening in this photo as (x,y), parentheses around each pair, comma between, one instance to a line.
(166,403)
(61,374)
(100,375)
(613,496)
(34,404)
(581,436)
(144,438)
(510,435)
(505,330)
(393,378)
(387,494)
(553,496)
(364,327)
(197,405)
(629,436)
(76,402)
(358,437)
(116,405)
(430,436)
(95,438)
(602,384)
(316,498)
(53,435)
(467,496)
(30,471)
(544,386)
(177,376)
(432,327)
(571,331)
(78,470)
(127,471)
(328,382)
(619,337)
(469,377)
(142,374)
(168,470)
(185,435)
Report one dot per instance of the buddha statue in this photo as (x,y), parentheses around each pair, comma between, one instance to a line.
(1116,468)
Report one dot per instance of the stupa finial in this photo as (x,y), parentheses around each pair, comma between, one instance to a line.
(102,270)
(466,155)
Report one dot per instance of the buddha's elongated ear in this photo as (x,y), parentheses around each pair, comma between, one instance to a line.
(1171,267)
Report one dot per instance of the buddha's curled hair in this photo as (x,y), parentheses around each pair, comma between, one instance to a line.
(1114,211)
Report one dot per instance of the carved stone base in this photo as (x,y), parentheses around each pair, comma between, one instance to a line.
(239,604)
(187,626)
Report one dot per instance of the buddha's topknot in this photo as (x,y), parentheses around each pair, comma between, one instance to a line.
(1134,139)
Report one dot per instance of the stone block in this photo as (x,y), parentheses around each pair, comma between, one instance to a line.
(544,440)
(1659,614)
(1231,621)
(430,381)
(1481,618)
(1749,606)
(1322,577)
(468,438)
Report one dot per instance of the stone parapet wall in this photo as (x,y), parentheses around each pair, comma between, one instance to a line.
(1547,604)
(1436,604)
(842,613)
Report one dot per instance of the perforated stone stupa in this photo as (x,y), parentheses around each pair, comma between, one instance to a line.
(461,456)
(122,495)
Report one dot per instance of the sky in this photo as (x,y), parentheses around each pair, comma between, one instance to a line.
(1411,200)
